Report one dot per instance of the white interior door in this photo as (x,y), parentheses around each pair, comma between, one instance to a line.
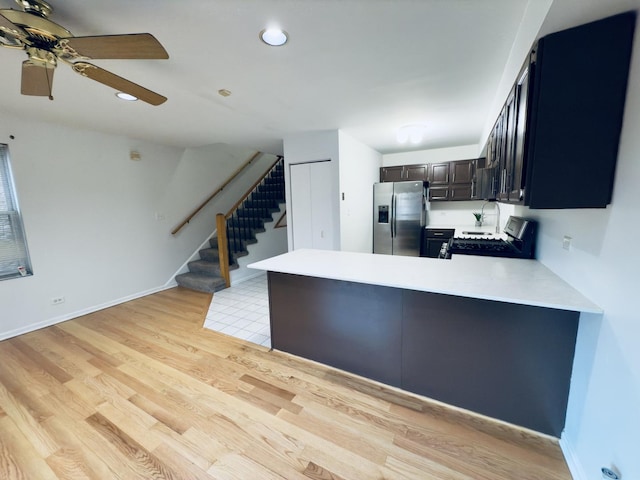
(311,205)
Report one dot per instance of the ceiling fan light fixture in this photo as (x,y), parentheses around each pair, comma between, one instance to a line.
(274,37)
(126,97)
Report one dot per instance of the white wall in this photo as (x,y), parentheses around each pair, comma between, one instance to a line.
(603,418)
(313,147)
(97,223)
(434,155)
(355,168)
(199,173)
(359,170)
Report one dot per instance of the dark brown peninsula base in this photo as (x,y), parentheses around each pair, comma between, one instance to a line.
(504,360)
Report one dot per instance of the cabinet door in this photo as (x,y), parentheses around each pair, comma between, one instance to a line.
(434,238)
(461,171)
(516,193)
(391,174)
(439,173)
(438,193)
(433,246)
(416,172)
(460,192)
(508,147)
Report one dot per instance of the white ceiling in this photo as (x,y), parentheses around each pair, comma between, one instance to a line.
(363,66)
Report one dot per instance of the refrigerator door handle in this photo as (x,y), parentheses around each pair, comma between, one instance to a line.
(394,227)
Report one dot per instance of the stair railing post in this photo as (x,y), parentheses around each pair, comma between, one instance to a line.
(223,249)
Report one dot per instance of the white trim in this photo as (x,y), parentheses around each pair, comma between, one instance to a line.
(86,311)
(573,462)
(194,256)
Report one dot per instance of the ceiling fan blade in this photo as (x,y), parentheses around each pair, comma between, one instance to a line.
(11,28)
(121,84)
(132,46)
(37,79)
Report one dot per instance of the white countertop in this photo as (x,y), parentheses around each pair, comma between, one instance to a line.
(510,280)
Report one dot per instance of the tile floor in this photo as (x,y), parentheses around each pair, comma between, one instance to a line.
(242,311)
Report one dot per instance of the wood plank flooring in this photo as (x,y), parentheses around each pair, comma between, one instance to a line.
(142,391)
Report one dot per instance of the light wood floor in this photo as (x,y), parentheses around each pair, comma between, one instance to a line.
(141,391)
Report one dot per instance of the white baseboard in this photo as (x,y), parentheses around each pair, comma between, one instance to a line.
(573,462)
(85,311)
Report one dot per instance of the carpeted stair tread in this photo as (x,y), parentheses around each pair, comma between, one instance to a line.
(201,282)
(203,266)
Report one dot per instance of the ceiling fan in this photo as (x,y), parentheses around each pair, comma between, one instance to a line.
(46,43)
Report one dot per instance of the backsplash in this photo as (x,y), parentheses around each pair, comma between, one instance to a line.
(461,213)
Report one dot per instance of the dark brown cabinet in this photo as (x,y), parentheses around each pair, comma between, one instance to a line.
(451,180)
(461,172)
(439,173)
(433,239)
(404,173)
(555,142)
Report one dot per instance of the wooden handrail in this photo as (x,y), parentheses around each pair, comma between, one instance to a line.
(251,189)
(211,197)
(223,251)
(221,227)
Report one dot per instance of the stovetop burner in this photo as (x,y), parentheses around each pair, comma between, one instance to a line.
(519,243)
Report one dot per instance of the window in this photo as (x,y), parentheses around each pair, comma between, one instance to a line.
(14,256)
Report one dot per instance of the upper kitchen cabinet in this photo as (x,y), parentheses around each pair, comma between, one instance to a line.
(578,94)
(555,142)
(451,180)
(439,173)
(404,173)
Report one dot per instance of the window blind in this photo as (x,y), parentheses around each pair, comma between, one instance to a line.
(14,255)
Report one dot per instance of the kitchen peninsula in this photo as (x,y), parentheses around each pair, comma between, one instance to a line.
(492,335)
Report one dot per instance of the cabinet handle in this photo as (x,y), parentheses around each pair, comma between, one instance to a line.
(438,234)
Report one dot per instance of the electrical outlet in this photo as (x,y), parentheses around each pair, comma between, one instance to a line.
(57,300)
(566,242)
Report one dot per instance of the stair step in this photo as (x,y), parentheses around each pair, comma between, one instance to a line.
(204,266)
(252,212)
(209,254)
(201,282)
(245,226)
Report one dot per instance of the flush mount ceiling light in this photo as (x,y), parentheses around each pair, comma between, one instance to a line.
(274,37)
(413,133)
(127,97)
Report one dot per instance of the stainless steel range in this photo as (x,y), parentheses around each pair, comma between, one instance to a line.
(520,242)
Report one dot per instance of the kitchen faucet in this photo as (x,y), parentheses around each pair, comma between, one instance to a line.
(497,216)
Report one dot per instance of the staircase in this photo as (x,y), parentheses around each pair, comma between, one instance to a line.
(242,226)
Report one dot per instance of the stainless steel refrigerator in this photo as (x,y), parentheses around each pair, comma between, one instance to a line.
(398,217)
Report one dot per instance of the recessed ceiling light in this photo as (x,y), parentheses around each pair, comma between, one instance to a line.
(224,92)
(126,96)
(274,37)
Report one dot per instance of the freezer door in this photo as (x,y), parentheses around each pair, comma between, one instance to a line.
(408,221)
(382,218)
